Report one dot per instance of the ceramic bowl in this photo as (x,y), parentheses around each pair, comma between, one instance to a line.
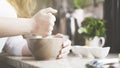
(45,48)
(91,52)
(100,52)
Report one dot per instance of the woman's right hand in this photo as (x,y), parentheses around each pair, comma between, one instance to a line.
(43,22)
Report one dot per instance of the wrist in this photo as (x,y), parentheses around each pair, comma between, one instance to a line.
(31,28)
(32,25)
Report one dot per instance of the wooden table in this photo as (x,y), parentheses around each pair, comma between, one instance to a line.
(30,62)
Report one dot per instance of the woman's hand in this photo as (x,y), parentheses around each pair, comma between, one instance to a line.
(65,47)
(43,22)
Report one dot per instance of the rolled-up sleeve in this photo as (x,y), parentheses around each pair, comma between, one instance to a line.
(14,45)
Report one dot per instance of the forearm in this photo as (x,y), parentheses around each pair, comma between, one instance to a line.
(15,26)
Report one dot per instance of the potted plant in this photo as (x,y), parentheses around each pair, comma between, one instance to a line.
(92,27)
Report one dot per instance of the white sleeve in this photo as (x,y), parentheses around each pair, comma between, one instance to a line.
(14,45)
(2,43)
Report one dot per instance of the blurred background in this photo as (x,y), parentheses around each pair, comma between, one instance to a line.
(71,13)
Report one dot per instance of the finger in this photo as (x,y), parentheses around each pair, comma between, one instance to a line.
(49,33)
(50,10)
(63,52)
(51,29)
(52,17)
(63,55)
(52,23)
(66,43)
(58,56)
(66,49)
(59,35)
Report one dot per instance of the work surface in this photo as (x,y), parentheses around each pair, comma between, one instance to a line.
(29,62)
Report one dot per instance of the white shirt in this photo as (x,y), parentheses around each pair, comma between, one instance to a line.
(11,45)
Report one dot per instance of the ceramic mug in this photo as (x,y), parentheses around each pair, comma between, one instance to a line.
(96,42)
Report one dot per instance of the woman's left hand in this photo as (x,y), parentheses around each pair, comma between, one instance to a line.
(66,46)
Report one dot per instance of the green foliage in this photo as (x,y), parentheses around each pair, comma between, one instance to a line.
(78,3)
(92,27)
(82,3)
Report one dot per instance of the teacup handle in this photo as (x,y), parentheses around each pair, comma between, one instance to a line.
(102,41)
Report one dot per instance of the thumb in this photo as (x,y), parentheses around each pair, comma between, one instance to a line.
(50,10)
